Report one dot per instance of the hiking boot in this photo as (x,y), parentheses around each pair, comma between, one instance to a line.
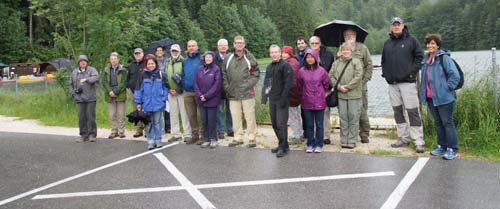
(327,141)
(213,144)
(281,153)
(419,149)
(438,151)
(191,140)
(122,135)
(82,139)
(399,143)
(309,149)
(173,139)
(348,146)
(137,134)
(234,143)
(205,144)
(252,144)
(220,135)
(112,135)
(275,150)
(294,140)
(450,154)
(231,134)
(200,142)
(92,139)
(365,139)
(186,139)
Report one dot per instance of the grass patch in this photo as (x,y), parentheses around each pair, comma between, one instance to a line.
(264,61)
(384,152)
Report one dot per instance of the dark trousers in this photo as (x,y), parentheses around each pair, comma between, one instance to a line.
(166,118)
(208,119)
(279,119)
(445,127)
(86,119)
(304,125)
(314,117)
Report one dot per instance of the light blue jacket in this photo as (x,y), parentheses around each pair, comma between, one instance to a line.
(442,83)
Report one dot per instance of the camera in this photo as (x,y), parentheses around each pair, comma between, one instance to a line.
(78,91)
(177,78)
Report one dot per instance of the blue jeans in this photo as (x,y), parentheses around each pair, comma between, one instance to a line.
(154,128)
(224,104)
(314,117)
(209,114)
(445,127)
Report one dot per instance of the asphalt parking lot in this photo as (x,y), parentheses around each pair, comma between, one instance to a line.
(49,171)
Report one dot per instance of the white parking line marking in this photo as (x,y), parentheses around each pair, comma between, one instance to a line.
(194,192)
(48,186)
(396,196)
(216,185)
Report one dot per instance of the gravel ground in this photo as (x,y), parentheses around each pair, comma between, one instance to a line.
(379,143)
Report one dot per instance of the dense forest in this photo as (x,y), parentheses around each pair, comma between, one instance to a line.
(40,30)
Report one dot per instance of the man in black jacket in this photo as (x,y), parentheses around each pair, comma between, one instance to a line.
(401,61)
(277,85)
(134,78)
(223,111)
(325,60)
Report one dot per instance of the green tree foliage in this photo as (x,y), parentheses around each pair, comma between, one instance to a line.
(96,28)
(12,34)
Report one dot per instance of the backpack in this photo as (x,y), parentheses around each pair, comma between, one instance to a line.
(460,72)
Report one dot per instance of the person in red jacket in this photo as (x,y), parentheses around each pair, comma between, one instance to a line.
(294,118)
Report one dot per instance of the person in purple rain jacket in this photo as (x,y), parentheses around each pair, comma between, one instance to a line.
(207,88)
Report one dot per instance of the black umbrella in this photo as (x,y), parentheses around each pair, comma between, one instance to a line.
(61,63)
(331,33)
(165,43)
(136,116)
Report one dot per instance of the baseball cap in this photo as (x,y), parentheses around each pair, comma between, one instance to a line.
(175,47)
(138,50)
(396,19)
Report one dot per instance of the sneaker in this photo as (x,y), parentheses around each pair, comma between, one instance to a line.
(186,139)
(83,139)
(309,149)
(318,150)
(438,151)
(151,146)
(158,144)
(92,139)
(234,143)
(365,139)
(220,135)
(122,135)
(200,142)
(205,144)
(399,143)
(348,146)
(450,154)
(419,149)
(213,144)
(173,139)
(327,141)
(231,134)
(275,150)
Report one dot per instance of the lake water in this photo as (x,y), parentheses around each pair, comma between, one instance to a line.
(475,64)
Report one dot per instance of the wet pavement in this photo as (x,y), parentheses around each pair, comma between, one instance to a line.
(48,171)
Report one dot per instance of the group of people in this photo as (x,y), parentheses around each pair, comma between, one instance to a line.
(221,85)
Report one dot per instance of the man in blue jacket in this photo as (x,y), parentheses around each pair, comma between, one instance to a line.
(190,66)
(401,61)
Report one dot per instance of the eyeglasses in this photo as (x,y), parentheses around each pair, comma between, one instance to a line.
(314,43)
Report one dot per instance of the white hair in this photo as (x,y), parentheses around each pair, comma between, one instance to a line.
(222,41)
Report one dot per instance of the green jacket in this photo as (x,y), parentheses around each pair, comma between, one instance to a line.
(352,77)
(363,54)
(240,75)
(120,90)
(173,66)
